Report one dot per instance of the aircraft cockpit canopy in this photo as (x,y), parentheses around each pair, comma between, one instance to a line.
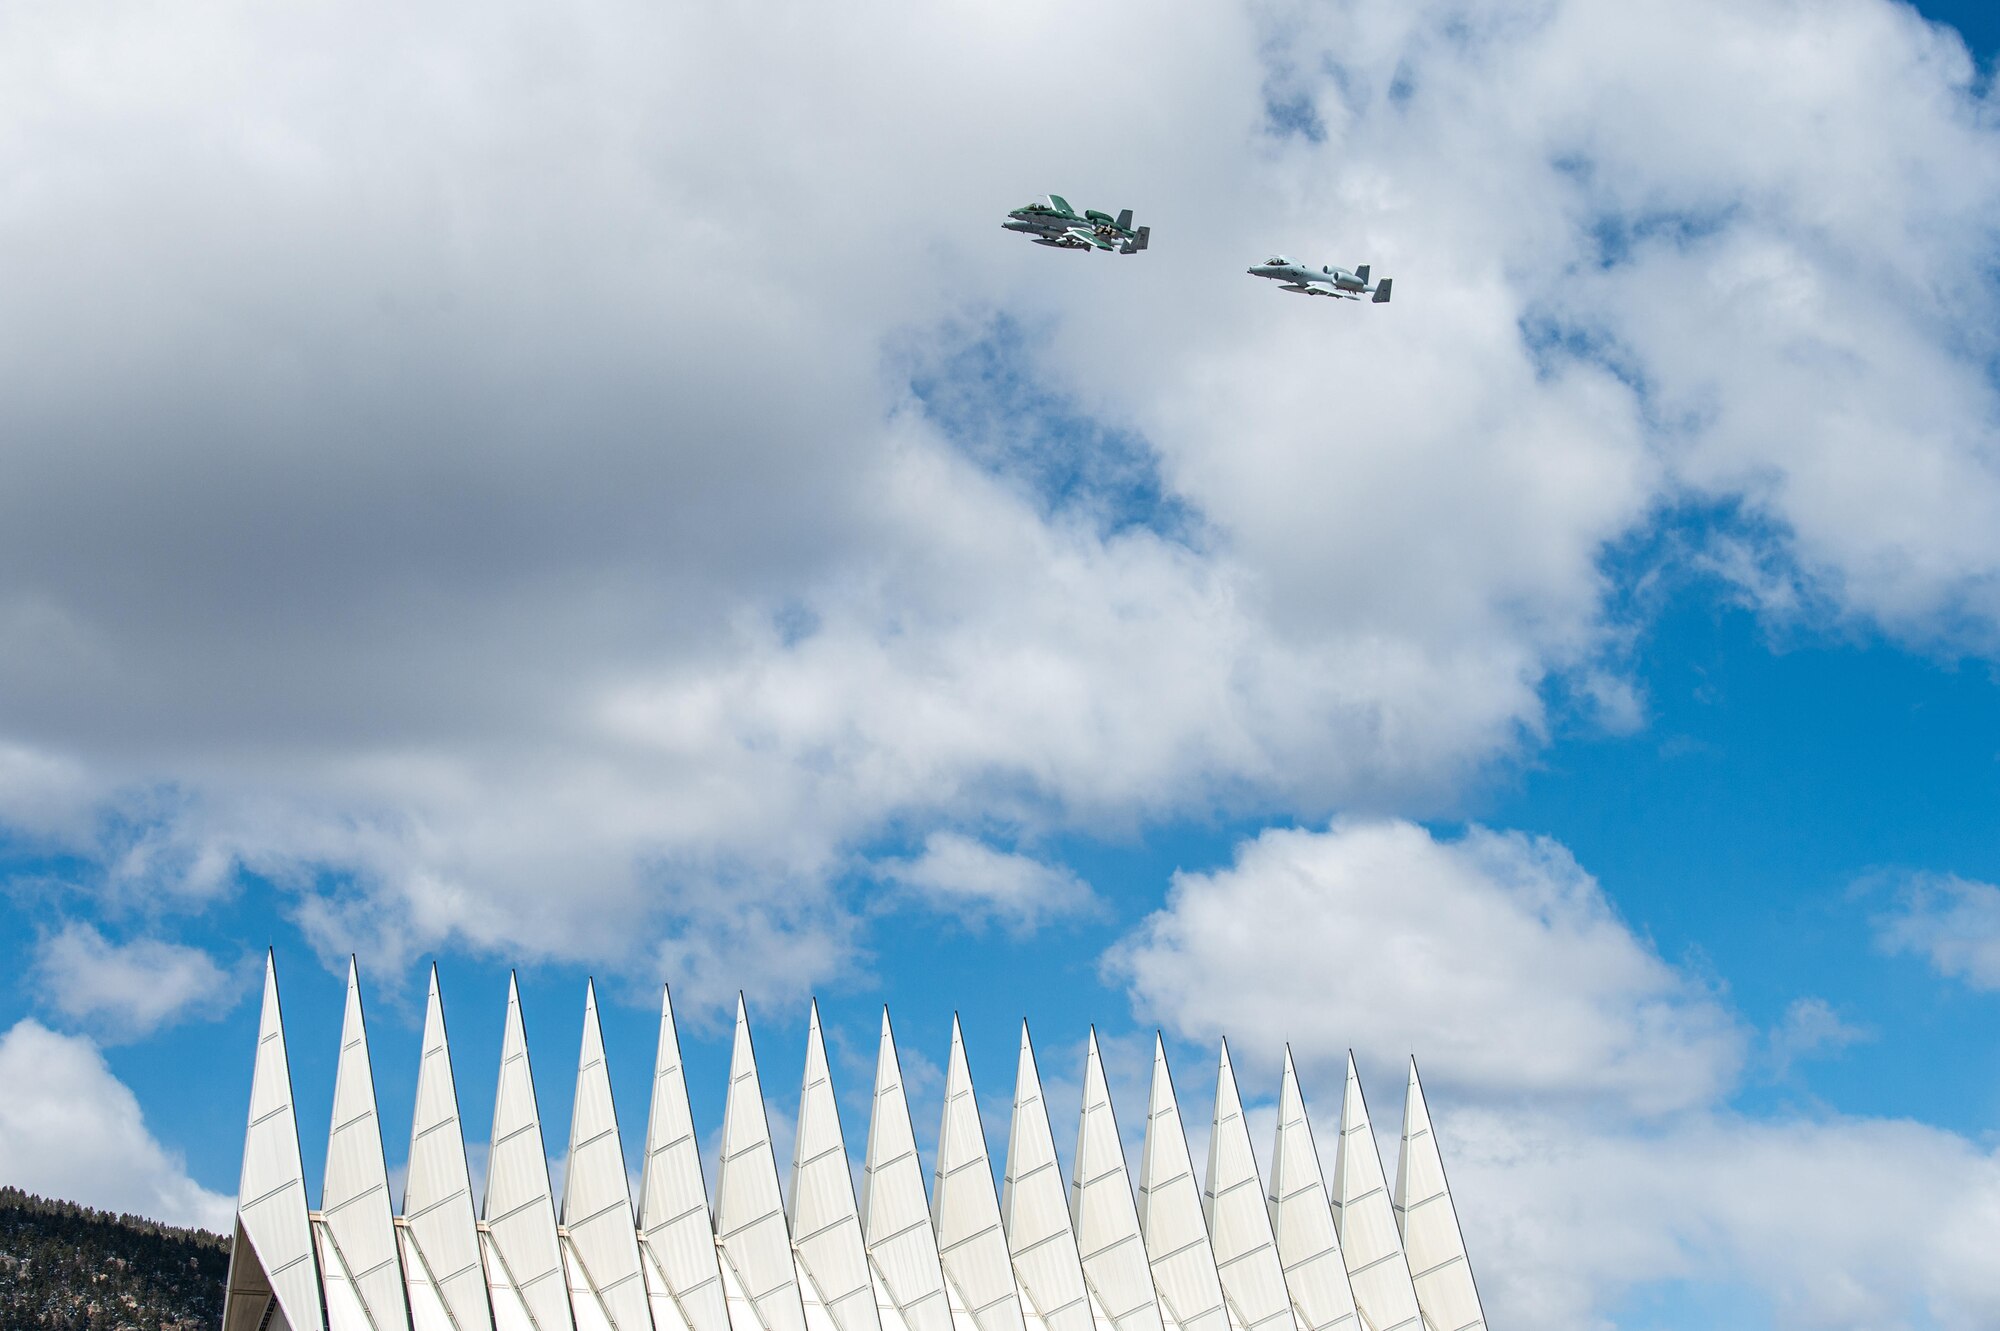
(1277,261)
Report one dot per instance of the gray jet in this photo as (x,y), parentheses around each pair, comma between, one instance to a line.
(1051,221)
(1308,281)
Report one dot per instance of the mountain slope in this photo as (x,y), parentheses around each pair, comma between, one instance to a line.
(65,1267)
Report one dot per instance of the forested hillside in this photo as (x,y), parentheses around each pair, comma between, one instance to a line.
(65,1267)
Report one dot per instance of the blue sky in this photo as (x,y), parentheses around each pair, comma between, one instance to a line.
(525,519)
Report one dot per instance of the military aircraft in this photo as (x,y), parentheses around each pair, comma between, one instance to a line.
(1308,281)
(1051,221)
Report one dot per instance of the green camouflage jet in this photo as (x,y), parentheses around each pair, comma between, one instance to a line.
(1051,221)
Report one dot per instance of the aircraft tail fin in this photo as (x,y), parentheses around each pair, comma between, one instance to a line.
(1382,291)
(1362,273)
(1140,241)
(1125,219)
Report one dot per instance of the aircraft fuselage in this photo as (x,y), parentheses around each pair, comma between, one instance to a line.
(1055,224)
(1298,274)
(1309,281)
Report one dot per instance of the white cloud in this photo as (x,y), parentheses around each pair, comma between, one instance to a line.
(1952,922)
(1841,1224)
(960,876)
(503,500)
(1811,1028)
(1495,955)
(127,991)
(1579,1082)
(69,1128)
(45,791)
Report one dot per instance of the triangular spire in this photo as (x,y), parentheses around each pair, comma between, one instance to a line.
(272,1257)
(825,1223)
(363,1279)
(1367,1223)
(1102,1209)
(1428,1222)
(683,1281)
(970,1240)
(520,1211)
(442,1268)
(1308,1245)
(749,1213)
(895,1215)
(1170,1213)
(1246,1252)
(1035,1210)
(597,1205)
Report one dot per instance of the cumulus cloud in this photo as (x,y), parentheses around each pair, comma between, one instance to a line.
(1495,954)
(1838,1224)
(1580,1083)
(1748,215)
(957,875)
(127,991)
(69,1128)
(1951,922)
(520,509)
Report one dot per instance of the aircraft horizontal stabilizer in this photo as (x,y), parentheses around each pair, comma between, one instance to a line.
(1382,291)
